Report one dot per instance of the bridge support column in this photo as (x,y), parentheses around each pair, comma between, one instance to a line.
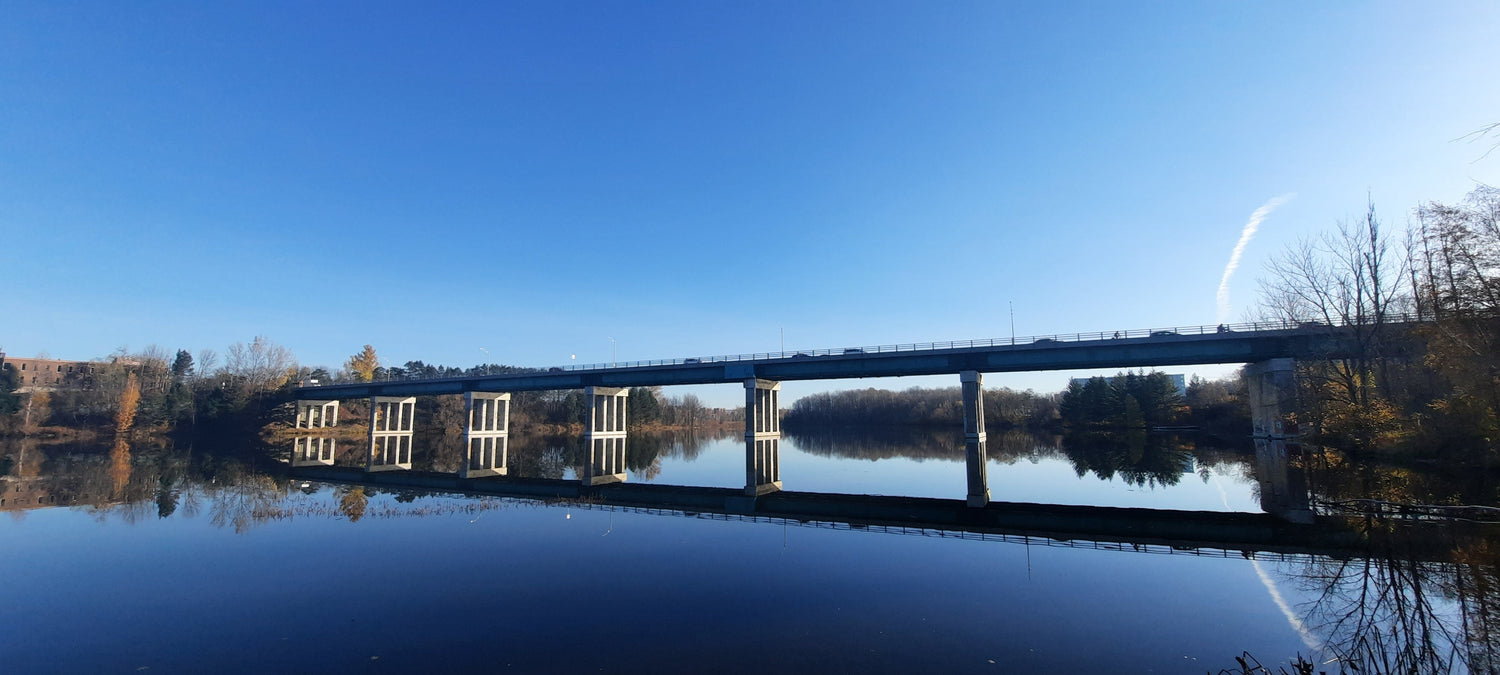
(1283,487)
(316,414)
(762,437)
(487,436)
(1272,389)
(313,451)
(974,437)
(392,424)
(604,435)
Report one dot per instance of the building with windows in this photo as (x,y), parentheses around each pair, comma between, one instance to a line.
(47,374)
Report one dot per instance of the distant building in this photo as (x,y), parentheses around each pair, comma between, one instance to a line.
(47,374)
(1178,379)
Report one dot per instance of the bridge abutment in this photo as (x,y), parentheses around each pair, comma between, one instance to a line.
(974,437)
(317,414)
(487,434)
(604,435)
(1272,389)
(392,425)
(762,437)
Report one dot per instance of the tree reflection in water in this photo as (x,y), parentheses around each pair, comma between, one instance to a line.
(1394,612)
(1139,458)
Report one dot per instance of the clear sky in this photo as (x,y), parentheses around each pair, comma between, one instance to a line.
(533,179)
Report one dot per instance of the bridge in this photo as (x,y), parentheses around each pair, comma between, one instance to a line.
(1270,351)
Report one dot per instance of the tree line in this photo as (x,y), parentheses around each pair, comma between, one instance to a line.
(918,406)
(156,390)
(251,385)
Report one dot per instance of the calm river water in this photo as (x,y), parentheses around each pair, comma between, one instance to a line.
(159,558)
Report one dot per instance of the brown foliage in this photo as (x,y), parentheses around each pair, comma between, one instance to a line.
(130,399)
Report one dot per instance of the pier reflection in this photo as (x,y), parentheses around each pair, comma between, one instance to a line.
(1283,487)
(390,452)
(314,451)
(606,460)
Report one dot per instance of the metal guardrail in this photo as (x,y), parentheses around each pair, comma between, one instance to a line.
(1031,340)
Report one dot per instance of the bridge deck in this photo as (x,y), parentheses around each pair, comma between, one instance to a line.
(1100,350)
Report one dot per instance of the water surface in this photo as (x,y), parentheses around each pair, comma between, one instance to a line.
(172,558)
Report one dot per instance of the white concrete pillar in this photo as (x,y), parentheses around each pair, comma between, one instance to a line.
(315,414)
(486,436)
(604,435)
(975,437)
(392,423)
(762,437)
(1272,389)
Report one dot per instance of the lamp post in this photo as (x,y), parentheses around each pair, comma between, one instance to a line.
(612,361)
(1012,320)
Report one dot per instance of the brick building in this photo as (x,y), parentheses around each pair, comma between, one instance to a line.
(47,374)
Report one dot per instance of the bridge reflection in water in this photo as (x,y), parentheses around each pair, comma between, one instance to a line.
(1289,526)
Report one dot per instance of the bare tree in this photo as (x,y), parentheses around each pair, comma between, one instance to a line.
(259,366)
(1457,277)
(1352,277)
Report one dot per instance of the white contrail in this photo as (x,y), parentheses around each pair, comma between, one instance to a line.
(1239,249)
(1292,619)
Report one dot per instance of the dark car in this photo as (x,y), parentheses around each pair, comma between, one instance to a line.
(554,369)
(1164,333)
(692,360)
(854,350)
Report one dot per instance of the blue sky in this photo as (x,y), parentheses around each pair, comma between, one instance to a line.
(691,178)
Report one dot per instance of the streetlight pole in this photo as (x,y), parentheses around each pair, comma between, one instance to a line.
(1012,304)
(783,337)
(612,361)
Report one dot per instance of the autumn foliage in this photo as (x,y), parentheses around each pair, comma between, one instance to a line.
(130,399)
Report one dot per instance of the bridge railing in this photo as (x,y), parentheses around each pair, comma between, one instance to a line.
(1030,341)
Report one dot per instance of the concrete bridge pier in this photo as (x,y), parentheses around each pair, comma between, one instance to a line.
(1272,388)
(313,451)
(974,437)
(392,424)
(487,435)
(316,414)
(762,437)
(604,435)
(1283,487)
